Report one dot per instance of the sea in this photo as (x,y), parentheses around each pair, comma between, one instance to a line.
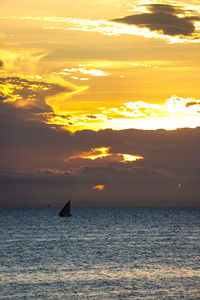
(100,253)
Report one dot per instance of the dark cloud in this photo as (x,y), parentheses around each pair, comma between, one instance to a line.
(26,142)
(1,64)
(124,186)
(32,92)
(192,103)
(91,117)
(170,157)
(163,18)
(2,97)
(28,145)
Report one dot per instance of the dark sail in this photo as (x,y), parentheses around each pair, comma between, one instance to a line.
(65,211)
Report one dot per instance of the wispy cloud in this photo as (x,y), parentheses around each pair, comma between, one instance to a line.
(22,86)
(111,28)
(167,22)
(21,61)
(81,72)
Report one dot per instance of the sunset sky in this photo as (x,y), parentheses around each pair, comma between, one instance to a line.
(100,102)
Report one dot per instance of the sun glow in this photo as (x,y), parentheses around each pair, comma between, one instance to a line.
(176,112)
(128,157)
(104,152)
(94,153)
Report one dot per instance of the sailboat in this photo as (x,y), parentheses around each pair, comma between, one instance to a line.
(65,211)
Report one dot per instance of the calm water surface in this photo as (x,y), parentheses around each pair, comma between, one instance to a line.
(100,253)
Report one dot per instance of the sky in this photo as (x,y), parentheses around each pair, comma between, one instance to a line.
(99,103)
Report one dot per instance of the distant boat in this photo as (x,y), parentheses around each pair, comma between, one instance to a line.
(65,211)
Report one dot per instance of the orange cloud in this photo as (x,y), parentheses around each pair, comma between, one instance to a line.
(99,187)
(179,187)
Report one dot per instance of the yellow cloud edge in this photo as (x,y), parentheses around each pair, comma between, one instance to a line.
(103,152)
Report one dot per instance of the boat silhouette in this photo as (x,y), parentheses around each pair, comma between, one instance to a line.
(65,211)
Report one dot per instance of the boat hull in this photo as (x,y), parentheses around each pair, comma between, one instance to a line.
(65,215)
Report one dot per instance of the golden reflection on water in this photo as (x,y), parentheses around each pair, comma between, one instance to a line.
(103,273)
(121,281)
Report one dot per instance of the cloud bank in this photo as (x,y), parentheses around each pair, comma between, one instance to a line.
(38,163)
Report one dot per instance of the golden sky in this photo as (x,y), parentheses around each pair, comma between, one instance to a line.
(72,66)
(129,64)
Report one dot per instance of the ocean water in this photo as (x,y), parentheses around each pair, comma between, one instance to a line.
(100,253)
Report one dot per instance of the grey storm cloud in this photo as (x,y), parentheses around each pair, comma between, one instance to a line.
(165,18)
(1,64)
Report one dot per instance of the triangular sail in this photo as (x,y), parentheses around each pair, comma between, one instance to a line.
(65,211)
